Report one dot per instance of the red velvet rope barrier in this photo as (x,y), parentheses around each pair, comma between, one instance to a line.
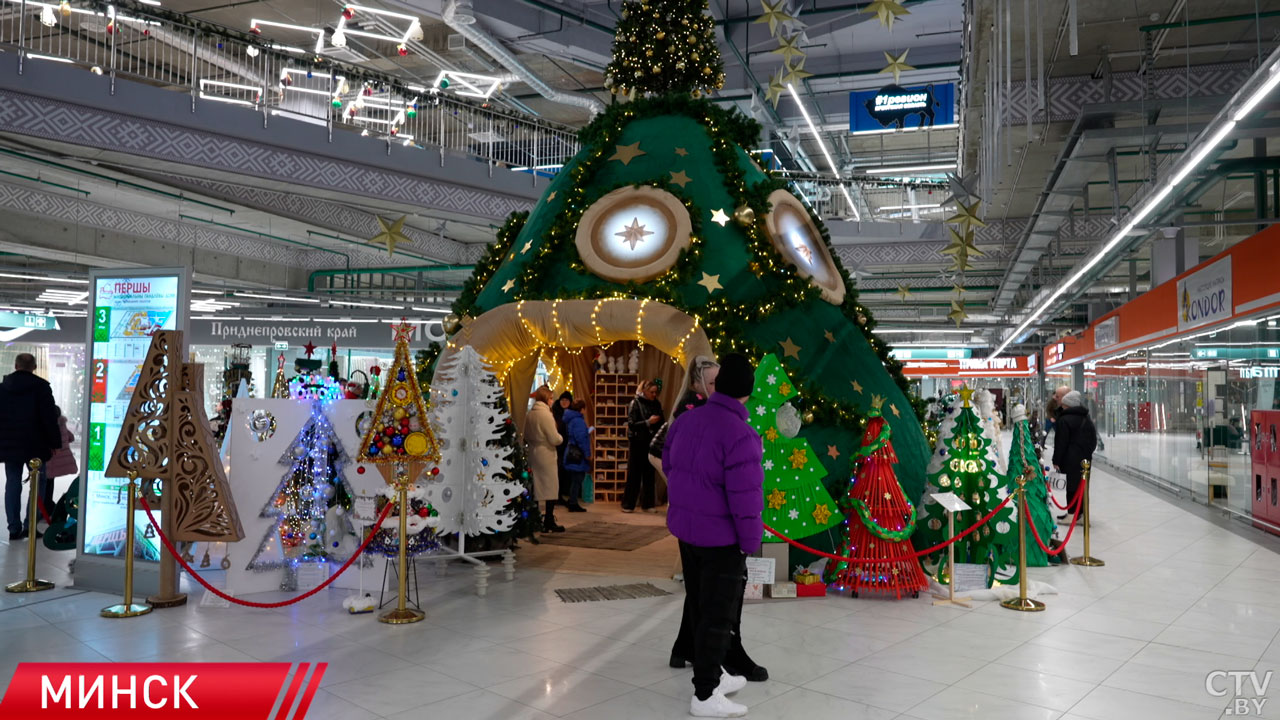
(1074,519)
(1049,489)
(191,571)
(918,553)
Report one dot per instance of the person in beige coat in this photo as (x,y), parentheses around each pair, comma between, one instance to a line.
(540,441)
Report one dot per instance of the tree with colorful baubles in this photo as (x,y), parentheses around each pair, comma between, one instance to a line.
(664,230)
(1022,454)
(968,471)
(311,505)
(878,521)
(796,503)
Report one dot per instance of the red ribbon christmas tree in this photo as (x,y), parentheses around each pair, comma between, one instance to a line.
(879,519)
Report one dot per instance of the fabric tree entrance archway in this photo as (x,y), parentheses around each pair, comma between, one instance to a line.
(515,335)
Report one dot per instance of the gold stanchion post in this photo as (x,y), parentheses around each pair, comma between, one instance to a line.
(1086,560)
(1022,602)
(403,615)
(128,608)
(31,584)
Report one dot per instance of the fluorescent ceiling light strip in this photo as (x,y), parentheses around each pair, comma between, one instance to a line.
(822,143)
(352,303)
(380,11)
(35,56)
(923,330)
(523,168)
(20,276)
(1258,95)
(375,36)
(429,309)
(233,101)
(889,170)
(911,207)
(276,297)
(236,86)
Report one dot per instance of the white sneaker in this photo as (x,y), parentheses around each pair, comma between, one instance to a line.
(716,706)
(730,684)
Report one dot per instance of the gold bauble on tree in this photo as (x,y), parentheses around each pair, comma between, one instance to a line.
(660,35)
(807,417)
(451,323)
(862,319)
(744,216)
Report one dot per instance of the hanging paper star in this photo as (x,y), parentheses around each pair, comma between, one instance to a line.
(897,65)
(967,216)
(777,499)
(790,349)
(962,242)
(633,234)
(856,387)
(506,287)
(960,291)
(833,452)
(795,73)
(391,234)
(710,282)
(830,338)
(789,47)
(958,313)
(679,178)
(681,151)
(962,188)
(626,153)
(960,262)
(773,14)
(775,88)
(718,217)
(309,348)
(821,514)
(886,11)
(798,459)
(904,292)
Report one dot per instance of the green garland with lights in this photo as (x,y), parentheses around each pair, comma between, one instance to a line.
(665,46)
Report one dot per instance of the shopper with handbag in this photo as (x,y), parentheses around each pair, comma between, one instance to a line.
(577,453)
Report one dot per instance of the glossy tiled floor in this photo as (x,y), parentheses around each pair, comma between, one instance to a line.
(1179,598)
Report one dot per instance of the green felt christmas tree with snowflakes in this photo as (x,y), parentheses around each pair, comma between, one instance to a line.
(1023,455)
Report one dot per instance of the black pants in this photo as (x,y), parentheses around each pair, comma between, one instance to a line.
(1074,479)
(640,476)
(574,492)
(736,658)
(14,473)
(714,578)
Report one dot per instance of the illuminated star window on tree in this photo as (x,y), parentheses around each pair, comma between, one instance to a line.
(797,239)
(633,234)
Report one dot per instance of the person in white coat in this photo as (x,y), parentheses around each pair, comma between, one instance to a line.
(540,442)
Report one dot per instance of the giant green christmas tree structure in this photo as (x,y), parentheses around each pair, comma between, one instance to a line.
(731,246)
(969,472)
(1022,454)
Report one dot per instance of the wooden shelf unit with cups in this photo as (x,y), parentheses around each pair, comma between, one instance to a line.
(612,395)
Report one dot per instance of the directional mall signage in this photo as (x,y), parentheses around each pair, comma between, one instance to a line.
(30,321)
(894,106)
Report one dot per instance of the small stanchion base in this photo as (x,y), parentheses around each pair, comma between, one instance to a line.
(945,600)
(402,617)
(159,601)
(28,586)
(1023,604)
(124,611)
(1087,561)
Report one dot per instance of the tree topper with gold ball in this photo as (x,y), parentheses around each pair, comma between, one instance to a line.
(400,431)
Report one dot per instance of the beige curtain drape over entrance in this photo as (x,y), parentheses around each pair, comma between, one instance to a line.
(511,337)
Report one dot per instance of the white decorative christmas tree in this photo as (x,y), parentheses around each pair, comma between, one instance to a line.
(984,403)
(474,489)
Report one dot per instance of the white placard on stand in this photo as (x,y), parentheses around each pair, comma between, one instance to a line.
(760,570)
(953,504)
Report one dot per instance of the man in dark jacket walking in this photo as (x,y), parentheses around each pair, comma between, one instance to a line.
(1075,440)
(28,429)
(713,465)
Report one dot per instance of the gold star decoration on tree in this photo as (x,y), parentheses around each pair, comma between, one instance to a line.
(789,47)
(821,514)
(894,408)
(958,313)
(830,338)
(679,178)
(626,153)
(681,151)
(391,234)
(718,217)
(506,286)
(785,388)
(551,195)
(711,283)
(773,93)
(773,14)
(795,73)
(966,394)
(633,234)
(527,247)
(833,452)
(790,349)
(897,65)
(886,11)
(777,499)
(967,216)
(904,292)
(771,434)
(856,387)
(798,458)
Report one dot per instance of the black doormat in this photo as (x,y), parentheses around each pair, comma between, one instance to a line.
(610,592)
(606,536)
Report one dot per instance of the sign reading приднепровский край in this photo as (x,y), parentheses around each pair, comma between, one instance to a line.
(1204,296)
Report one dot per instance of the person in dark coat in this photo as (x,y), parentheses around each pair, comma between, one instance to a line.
(577,452)
(643,418)
(557,411)
(28,429)
(1074,441)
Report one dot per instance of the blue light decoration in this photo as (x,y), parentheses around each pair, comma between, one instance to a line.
(314,386)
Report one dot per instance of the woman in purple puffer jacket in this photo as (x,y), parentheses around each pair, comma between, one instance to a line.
(716,492)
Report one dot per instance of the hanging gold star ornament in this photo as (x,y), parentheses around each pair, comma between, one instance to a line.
(790,349)
(789,47)
(711,283)
(962,242)
(679,178)
(822,513)
(904,292)
(886,11)
(795,73)
(959,289)
(626,153)
(776,87)
(967,216)
(958,313)
(391,234)
(897,65)
(777,499)
(774,14)
(960,261)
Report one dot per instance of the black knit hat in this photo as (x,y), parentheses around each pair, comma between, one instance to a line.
(566,395)
(736,377)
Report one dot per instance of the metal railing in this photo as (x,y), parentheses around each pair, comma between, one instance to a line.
(274,79)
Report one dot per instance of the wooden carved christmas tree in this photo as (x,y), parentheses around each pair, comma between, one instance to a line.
(879,521)
(400,431)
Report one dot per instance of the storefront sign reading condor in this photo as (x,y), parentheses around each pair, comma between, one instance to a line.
(1204,296)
